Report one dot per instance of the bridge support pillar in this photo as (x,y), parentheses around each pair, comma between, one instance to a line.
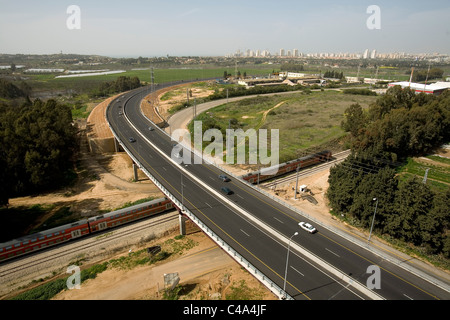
(182,220)
(135,169)
(116,145)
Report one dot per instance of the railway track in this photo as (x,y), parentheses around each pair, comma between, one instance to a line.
(339,157)
(94,240)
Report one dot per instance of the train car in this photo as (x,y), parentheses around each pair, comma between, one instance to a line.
(43,239)
(81,228)
(115,218)
(287,167)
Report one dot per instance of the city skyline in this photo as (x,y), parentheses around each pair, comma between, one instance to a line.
(364,54)
(205,28)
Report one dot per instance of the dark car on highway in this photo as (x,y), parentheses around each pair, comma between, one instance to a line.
(226,190)
(224,178)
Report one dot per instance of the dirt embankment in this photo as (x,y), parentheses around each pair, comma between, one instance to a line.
(105,182)
(157,110)
(206,273)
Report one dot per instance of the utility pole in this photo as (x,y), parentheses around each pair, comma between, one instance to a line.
(410,78)
(373,220)
(426,176)
(287,260)
(426,80)
(195,107)
(296,184)
(152,82)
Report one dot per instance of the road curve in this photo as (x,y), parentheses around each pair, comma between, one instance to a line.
(262,246)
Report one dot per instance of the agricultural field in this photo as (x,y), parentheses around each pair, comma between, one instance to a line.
(438,177)
(50,82)
(307,121)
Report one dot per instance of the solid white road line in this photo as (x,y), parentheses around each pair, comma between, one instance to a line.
(245,233)
(332,252)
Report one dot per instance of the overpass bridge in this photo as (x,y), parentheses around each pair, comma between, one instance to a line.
(258,231)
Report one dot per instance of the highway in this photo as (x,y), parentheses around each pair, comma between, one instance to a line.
(264,244)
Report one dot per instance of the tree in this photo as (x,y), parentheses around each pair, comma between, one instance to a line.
(121,84)
(423,75)
(381,185)
(9,90)
(37,143)
(355,119)
(412,202)
(343,182)
(435,225)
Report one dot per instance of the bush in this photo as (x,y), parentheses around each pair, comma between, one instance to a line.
(365,92)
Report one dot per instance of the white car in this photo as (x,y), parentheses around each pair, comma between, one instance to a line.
(308,227)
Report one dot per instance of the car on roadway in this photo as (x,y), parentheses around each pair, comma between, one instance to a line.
(307,227)
(131,139)
(226,190)
(151,128)
(224,178)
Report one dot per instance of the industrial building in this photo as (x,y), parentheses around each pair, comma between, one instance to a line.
(435,88)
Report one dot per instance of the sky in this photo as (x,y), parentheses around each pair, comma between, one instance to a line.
(151,28)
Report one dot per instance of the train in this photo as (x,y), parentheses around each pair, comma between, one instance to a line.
(64,233)
(286,167)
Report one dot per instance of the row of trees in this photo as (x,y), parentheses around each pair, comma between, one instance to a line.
(423,75)
(227,75)
(333,74)
(242,91)
(121,84)
(407,210)
(37,145)
(292,67)
(399,125)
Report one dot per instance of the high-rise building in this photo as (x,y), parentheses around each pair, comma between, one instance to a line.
(366,54)
(373,54)
(282,52)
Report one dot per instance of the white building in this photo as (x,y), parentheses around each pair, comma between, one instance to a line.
(354,79)
(291,75)
(434,88)
(366,54)
(373,54)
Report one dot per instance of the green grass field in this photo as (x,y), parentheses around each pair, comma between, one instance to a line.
(305,121)
(438,177)
(50,82)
